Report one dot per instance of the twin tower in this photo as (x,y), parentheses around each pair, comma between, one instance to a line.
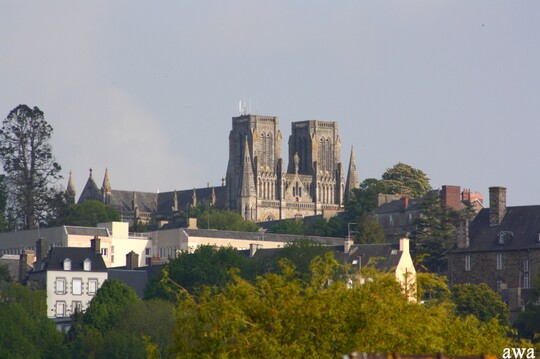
(259,186)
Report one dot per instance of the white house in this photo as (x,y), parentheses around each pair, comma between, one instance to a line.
(71,277)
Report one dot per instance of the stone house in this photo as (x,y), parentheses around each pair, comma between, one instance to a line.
(500,247)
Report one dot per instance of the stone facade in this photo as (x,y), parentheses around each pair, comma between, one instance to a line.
(258,185)
(500,247)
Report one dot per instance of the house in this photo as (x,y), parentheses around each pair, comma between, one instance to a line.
(397,214)
(500,247)
(386,257)
(71,277)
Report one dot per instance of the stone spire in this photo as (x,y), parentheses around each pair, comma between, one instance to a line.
(247,183)
(106,189)
(90,191)
(353,180)
(70,191)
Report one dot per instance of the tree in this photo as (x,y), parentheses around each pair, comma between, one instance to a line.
(28,162)
(481,301)
(206,266)
(528,322)
(289,226)
(87,214)
(434,233)
(107,306)
(224,220)
(289,315)
(405,179)
(370,231)
(26,332)
(3,204)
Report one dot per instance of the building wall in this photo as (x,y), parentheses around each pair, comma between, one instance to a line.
(483,268)
(15,242)
(68,298)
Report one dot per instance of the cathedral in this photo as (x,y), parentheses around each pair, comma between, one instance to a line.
(258,184)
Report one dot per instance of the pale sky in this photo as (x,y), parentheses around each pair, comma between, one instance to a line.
(148,89)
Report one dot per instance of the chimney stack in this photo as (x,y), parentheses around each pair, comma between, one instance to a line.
(405,202)
(497,205)
(451,196)
(96,244)
(42,247)
(132,260)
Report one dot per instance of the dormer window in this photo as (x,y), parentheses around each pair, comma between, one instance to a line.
(87,265)
(501,238)
(67,264)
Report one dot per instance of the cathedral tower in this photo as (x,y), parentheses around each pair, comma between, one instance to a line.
(260,136)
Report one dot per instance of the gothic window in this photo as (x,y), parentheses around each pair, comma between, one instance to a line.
(303,156)
(240,145)
(270,151)
(526,265)
(526,282)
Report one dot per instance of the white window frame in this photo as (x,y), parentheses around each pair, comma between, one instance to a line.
(526,265)
(60,309)
(77,286)
(87,265)
(499,261)
(467,263)
(93,286)
(67,264)
(60,286)
(76,306)
(526,281)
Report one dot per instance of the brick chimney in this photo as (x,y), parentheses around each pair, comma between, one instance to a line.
(132,260)
(497,205)
(95,244)
(451,196)
(405,202)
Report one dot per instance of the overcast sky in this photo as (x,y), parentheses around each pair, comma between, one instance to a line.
(148,89)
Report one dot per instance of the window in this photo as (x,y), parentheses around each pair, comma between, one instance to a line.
(92,286)
(147,251)
(104,252)
(467,262)
(501,238)
(526,283)
(499,261)
(76,286)
(60,286)
(76,306)
(60,309)
(526,265)
(67,264)
(87,265)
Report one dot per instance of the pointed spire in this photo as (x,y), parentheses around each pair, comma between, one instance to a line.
(213,197)
(106,187)
(248,178)
(194,198)
(90,191)
(70,191)
(353,180)
(175,202)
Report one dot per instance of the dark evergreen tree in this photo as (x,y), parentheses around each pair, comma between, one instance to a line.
(28,162)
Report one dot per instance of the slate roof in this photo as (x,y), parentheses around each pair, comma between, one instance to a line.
(415,204)
(257,236)
(521,224)
(163,202)
(135,279)
(87,231)
(383,256)
(90,191)
(55,259)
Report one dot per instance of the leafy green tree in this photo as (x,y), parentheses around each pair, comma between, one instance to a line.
(406,179)
(370,231)
(26,332)
(481,301)
(28,162)
(106,308)
(88,214)
(289,315)
(364,199)
(289,226)
(206,266)
(224,220)
(528,322)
